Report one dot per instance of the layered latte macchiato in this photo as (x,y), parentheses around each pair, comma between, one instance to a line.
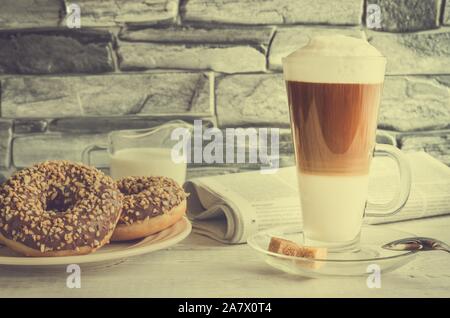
(334,87)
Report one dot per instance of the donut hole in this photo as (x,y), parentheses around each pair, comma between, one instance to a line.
(59,201)
(132,190)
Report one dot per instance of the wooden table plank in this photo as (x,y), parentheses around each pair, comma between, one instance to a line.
(200,267)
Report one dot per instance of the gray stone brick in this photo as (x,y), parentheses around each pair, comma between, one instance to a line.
(408,53)
(49,52)
(249,99)
(286,156)
(229,35)
(285,141)
(407,15)
(415,103)
(26,126)
(17,14)
(444,80)
(108,95)
(2,177)
(273,11)
(107,124)
(409,103)
(446,15)
(5,174)
(5,143)
(226,59)
(289,39)
(113,12)
(414,53)
(31,149)
(39,97)
(69,145)
(436,144)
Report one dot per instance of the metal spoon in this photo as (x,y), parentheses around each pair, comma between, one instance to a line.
(416,244)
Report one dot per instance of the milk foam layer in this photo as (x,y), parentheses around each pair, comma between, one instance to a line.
(332,206)
(335,59)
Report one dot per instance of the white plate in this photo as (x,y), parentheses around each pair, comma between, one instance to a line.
(110,252)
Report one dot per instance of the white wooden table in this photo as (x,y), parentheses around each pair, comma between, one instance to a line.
(200,267)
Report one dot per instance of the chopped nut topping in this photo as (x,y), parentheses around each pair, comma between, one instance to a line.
(146,197)
(58,202)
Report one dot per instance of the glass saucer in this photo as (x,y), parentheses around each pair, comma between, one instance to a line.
(368,257)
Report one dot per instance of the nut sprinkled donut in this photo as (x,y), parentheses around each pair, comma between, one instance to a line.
(58,208)
(150,205)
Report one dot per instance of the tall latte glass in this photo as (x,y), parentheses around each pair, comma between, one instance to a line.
(334,87)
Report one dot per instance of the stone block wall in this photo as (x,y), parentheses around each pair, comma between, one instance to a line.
(139,63)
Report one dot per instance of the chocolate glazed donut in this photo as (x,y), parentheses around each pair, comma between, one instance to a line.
(150,205)
(58,208)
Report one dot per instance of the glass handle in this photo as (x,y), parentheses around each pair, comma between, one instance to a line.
(86,155)
(400,198)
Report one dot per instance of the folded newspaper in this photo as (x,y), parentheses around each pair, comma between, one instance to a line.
(230,208)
